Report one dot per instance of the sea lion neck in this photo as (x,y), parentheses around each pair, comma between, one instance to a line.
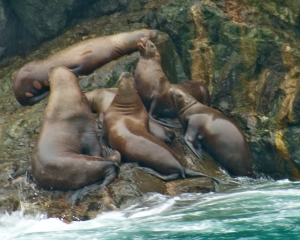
(186,104)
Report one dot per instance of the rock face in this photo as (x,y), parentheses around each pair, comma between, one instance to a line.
(11,32)
(246,53)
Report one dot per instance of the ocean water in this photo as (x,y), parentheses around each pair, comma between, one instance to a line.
(256,209)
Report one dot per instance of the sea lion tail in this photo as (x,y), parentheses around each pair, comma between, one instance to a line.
(191,173)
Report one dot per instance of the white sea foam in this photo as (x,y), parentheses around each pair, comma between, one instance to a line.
(258,206)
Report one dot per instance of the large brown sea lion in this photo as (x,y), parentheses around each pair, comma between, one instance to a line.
(100,101)
(152,84)
(67,154)
(209,130)
(31,81)
(125,128)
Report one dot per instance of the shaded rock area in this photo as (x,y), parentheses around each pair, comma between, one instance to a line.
(246,52)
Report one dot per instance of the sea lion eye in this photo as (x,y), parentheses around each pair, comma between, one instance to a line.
(152,45)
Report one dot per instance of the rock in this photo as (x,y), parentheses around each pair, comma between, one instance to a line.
(41,18)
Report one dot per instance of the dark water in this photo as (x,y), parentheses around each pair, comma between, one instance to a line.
(259,209)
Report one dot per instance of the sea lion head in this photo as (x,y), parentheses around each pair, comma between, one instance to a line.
(147,48)
(64,87)
(181,99)
(60,75)
(126,89)
(178,98)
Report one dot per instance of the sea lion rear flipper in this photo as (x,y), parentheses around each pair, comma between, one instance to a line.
(20,172)
(191,173)
(156,174)
(80,193)
(111,155)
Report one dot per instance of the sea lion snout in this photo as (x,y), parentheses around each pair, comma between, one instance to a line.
(175,93)
(142,43)
(125,75)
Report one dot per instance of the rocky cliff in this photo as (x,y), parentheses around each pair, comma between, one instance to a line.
(246,53)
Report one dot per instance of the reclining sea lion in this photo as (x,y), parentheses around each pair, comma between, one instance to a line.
(31,81)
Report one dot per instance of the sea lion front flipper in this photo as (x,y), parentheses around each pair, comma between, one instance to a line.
(77,70)
(190,139)
(162,133)
(100,120)
(160,176)
(22,171)
(36,99)
(103,138)
(168,123)
(163,122)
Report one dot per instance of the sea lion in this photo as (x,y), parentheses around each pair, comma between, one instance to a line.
(101,99)
(67,154)
(152,84)
(209,130)
(31,81)
(125,128)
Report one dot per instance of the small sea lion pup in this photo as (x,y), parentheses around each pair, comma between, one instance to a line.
(31,81)
(100,101)
(125,128)
(209,130)
(152,84)
(67,154)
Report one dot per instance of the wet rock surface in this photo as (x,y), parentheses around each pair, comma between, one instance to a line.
(245,52)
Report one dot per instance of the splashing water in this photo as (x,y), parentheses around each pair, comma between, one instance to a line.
(257,209)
